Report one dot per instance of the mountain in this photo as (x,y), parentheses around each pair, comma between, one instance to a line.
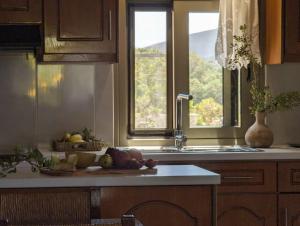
(201,43)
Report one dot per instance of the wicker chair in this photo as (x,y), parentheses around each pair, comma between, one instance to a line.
(126,220)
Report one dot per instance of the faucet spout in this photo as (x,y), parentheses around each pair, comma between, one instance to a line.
(180,138)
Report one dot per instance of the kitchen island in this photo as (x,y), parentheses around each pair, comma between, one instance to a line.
(177,195)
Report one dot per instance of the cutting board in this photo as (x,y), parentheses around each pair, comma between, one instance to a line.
(98,171)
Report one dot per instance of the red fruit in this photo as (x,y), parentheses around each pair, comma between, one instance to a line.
(150,163)
(121,159)
(134,164)
(135,154)
(112,152)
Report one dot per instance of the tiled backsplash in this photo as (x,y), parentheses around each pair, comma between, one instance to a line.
(285,125)
(39,103)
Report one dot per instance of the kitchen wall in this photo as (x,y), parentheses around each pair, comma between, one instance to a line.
(285,125)
(40,102)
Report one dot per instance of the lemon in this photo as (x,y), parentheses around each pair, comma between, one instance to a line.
(76,138)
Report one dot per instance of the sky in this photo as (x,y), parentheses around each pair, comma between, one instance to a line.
(150,27)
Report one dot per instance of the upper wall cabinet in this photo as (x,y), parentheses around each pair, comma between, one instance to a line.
(20,11)
(77,30)
(282,31)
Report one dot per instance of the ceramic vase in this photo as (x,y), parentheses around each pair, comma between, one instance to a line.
(259,135)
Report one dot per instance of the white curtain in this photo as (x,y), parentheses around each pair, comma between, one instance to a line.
(233,14)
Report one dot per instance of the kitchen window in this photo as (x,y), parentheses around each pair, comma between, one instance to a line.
(150,70)
(172,50)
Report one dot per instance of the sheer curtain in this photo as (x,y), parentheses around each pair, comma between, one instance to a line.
(233,14)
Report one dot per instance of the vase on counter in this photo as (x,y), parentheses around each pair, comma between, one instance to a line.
(259,135)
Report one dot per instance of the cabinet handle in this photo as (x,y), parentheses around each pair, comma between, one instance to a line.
(286,217)
(238,178)
(109,25)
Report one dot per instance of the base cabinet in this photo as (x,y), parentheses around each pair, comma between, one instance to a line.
(247,210)
(45,206)
(289,210)
(160,206)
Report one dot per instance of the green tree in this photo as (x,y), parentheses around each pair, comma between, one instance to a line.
(206,79)
(151,90)
(208,112)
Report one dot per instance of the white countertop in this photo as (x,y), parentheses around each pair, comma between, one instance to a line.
(267,154)
(166,175)
(274,153)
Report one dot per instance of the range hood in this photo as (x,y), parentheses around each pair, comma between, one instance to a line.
(20,37)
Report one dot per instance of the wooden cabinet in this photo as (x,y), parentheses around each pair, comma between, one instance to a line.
(245,176)
(292,31)
(160,206)
(247,210)
(47,206)
(289,176)
(282,43)
(76,30)
(289,210)
(247,193)
(20,11)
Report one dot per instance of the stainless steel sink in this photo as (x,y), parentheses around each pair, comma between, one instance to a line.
(237,149)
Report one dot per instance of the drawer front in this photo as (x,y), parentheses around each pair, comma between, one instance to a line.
(245,177)
(289,176)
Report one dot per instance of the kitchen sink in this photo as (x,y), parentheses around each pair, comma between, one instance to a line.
(196,149)
(234,149)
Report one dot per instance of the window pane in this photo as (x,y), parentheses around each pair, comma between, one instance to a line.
(205,75)
(150,70)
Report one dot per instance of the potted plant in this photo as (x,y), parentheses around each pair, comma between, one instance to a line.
(263,101)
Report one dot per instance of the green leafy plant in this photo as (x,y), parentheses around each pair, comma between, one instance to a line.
(264,101)
(31,155)
(262,98)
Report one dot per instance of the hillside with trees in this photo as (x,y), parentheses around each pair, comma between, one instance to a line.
(150,90)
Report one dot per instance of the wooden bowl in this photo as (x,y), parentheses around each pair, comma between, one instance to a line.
(85,159)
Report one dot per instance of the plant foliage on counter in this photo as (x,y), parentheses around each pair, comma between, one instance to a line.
(31,155)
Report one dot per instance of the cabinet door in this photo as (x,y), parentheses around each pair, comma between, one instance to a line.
(289,210)
(53,206)
(160,206)
(289,176)
(77,30)
(292,31)
(20,11)
(246,210)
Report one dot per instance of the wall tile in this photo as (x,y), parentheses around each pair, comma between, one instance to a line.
(66,98)
(17,99)
(104,113)
(71,97)
(285,125)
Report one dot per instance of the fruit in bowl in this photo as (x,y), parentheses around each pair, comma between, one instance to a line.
(128,159)
(106,161)
(84,159)
(67,164)
(76,138)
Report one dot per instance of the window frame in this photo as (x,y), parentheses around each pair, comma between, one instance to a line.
(132,131)
(122,135)
(181,74)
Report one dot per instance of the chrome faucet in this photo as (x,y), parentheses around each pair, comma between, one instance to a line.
(180,138)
